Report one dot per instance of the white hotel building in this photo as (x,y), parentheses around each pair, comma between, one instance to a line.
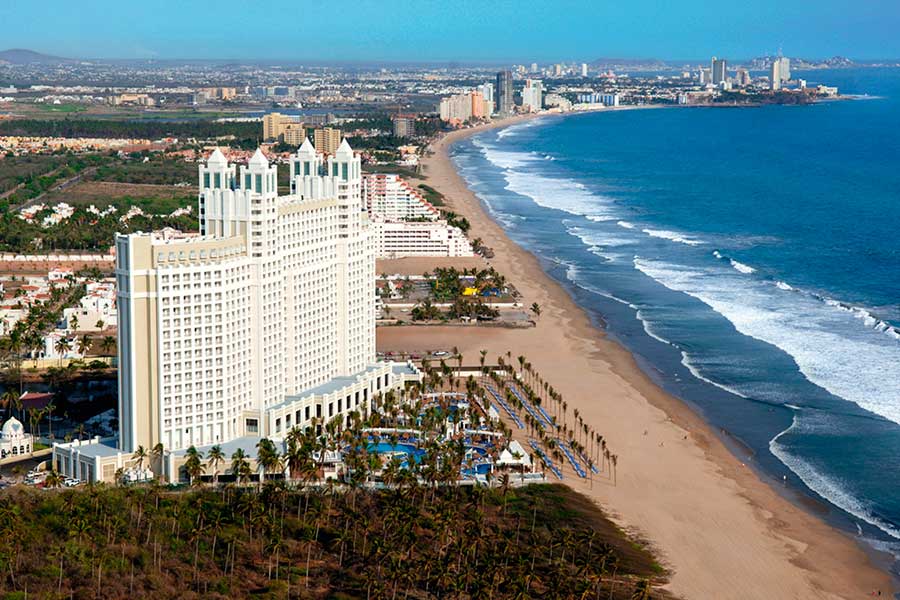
(406,224)
(262,323)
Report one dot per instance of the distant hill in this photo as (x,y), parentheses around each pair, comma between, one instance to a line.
(21,56)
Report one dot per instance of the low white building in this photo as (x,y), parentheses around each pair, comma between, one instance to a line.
(389,197)
(13,439)
(396,239)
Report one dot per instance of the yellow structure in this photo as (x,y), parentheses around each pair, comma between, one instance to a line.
(470,291)
(294,134)
(327,140)
(275,126)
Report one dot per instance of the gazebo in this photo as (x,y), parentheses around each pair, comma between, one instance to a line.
(13,439)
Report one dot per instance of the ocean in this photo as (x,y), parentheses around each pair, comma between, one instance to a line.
(748,257)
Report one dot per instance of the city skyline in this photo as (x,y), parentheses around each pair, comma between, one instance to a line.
(515,32)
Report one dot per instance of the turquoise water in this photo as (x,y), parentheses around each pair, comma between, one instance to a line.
(747,257)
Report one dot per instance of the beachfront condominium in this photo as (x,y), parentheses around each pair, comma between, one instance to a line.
(718,69)
(263,322)
(779,72)
(327,140)
(504,93)
(533,95)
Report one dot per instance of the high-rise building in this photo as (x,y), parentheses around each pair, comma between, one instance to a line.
(703,76)
(718,70)
(784,68)
(275,124)
(263,323)
(487,90)
(404,125)
(776,77)
(327,140)
(504,93)
(534,67)
(584,70)
(532,95)
(742,77)
(293,134)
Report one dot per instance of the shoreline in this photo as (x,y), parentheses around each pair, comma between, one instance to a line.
(723,531)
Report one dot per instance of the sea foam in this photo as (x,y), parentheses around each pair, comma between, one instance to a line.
(830,345)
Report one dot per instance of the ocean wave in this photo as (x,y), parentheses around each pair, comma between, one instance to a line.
(566,195)
(737,266)
(686,360)
(784,286)
(599,218)
(833,490)
(826,342)
(625,224)
(741,267)
(673,236)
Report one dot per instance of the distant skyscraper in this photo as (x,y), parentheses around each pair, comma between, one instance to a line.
(785,68)
(504,93)
(327,140)
(775,77)
(534,68)
(487,90)
(404,125)
(743,77)
(718,70)
(584,72)
(532,95)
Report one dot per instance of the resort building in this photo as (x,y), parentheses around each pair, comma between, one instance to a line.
(262,323)
(389,196)
(397,239)
(405,224)
(13,439)
(532,95)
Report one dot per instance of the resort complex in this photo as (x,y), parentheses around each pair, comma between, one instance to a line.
(262,323)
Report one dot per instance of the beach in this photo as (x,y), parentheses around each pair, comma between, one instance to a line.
(721,530)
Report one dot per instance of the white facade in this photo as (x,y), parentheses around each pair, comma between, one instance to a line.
(389,197)
(396,239)
(272,304)
(533,95)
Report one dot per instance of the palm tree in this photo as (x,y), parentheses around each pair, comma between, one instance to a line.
(99,324)
(193,464)
(140,455)
(62,346)
(267,458)
(53,480)
(8,400)
(107,345)
(240,466)
(536,309)
(84,344)
(214,458)
(73,323)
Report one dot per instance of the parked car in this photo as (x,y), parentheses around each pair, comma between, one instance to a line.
(71,481)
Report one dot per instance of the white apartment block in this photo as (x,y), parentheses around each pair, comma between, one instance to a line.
(397,239)
(405,224)
(390,197)
(263,322)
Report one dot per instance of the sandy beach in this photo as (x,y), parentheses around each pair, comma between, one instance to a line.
(722,531)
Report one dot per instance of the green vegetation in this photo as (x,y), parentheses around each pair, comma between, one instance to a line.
(432,195)
(35,184)
(414,541)
(143,129)
(87,231)
(156,171)
(62,108)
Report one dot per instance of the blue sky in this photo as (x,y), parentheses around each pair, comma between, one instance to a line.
(461,30)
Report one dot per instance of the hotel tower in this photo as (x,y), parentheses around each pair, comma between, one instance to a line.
(262,323)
